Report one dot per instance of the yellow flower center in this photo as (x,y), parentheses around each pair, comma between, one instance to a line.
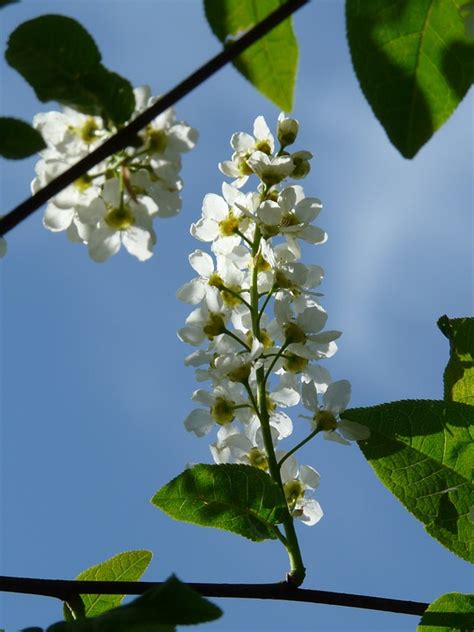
(294,490)
(325,420)
(262,264)
(214,326)
(88,131)
(263,146)
(120,218)
(290,219)
(229,298)
(295,363)
(294,334)
(240,374)
(215,280)
(244,168)
(258,459)
(223,411)
(229,226)
(83,183)
(157,140)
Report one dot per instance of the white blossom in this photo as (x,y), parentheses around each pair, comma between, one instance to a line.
(147,177)
(327,417)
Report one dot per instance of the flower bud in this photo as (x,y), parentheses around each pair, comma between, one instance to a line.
(287,130)
(301,161)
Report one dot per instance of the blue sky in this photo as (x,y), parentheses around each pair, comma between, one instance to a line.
(94,389)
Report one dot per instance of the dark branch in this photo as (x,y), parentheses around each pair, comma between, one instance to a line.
(124,137)
(64,589)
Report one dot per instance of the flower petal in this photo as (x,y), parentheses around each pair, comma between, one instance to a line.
(337,396)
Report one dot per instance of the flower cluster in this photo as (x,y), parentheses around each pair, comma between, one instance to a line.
(116,202)
(260,364)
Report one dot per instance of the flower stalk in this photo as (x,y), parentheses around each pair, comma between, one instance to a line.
(263,351)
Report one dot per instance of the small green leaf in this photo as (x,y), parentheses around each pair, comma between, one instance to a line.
(271,63)
(61,61)
(18,139)
(3,3)
(237,498)
(123,567)
(453,612)
(423,452)
(159,609)
(459,372)
(414,61)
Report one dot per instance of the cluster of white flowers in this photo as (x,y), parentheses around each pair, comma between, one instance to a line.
(116,202)
(260,365)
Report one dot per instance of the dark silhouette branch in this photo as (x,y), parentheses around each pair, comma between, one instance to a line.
(126,135)
(65,589)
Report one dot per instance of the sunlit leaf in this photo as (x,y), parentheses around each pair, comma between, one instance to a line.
(423,452)
(459,372)
(415,62)
(271,63)
(124,567)
(453,612)
(237,498)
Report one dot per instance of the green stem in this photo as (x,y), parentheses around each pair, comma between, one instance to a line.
(232,335)
(252,398)
(297,569)
(240,234)
(223,288)
(275,360)
(265,303)
(298,446)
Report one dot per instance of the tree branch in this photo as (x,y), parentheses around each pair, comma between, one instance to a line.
(64,589)
(125,135)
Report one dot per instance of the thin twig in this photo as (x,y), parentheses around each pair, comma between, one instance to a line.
(63,589)
(125,135)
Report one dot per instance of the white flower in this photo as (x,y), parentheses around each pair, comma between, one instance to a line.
(291,215)
(150,185)
(70,133)
(226,274)
(270,170)
(297,481)
(117,220)
(221,221)
(204,322)
(327,418)
(221,409)
(61,211)
(303,331)
(164,136)
(244,146)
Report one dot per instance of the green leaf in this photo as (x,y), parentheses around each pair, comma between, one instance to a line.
(18,139)
(453,612)
(414,61)
(459,372)
(159,609)
(237,498)
(61,61)
(3,3)
(271,63)
(423,452)
(124,567)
